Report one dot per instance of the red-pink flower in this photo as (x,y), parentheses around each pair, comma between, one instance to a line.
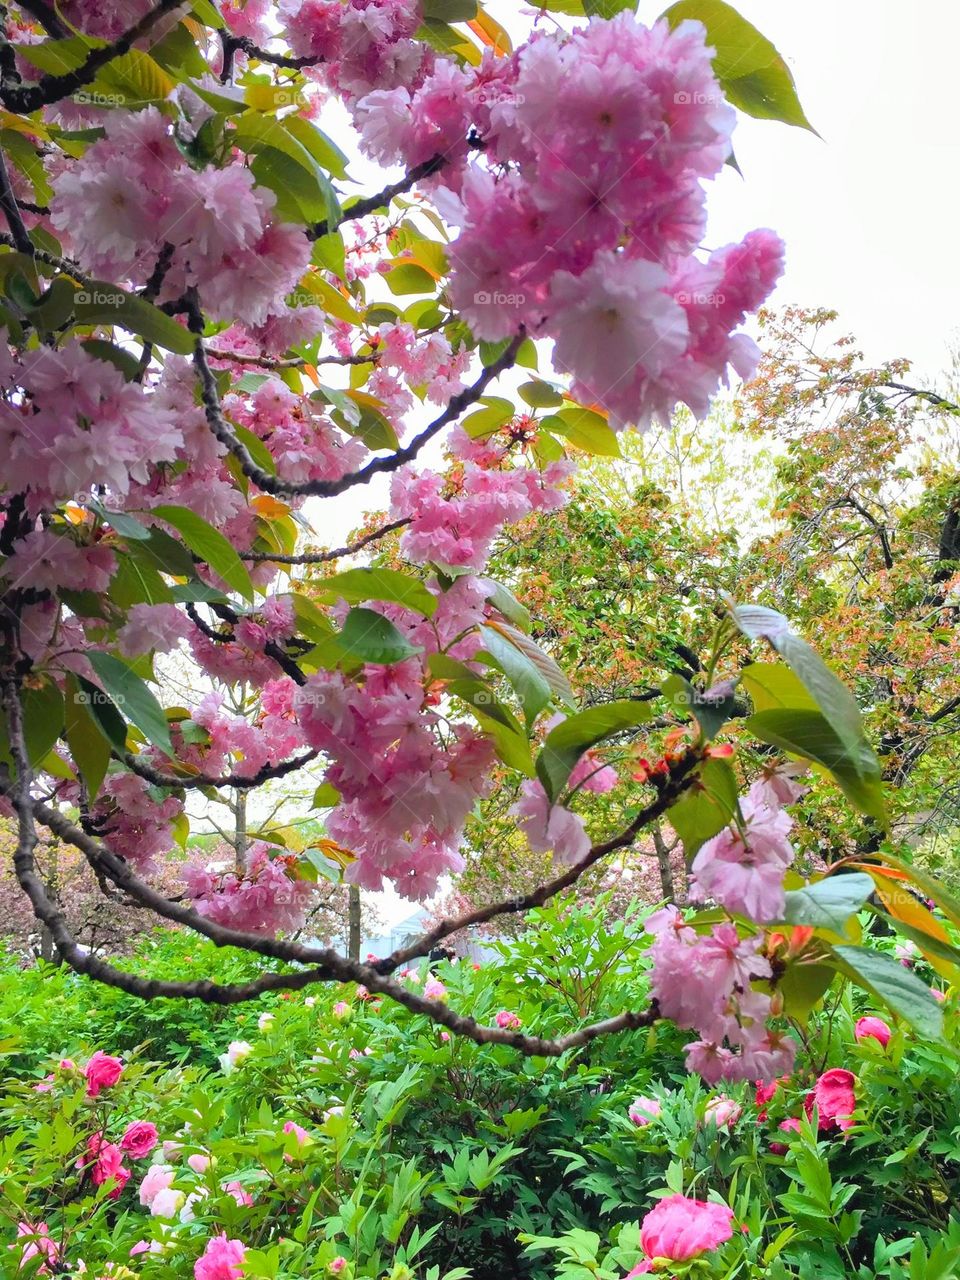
(680,1229)
(139,1139)
(222,1259)
(790,1125)
(105,1162)
(873,1029)
(834,1098)
(102,1072)
(507,1020)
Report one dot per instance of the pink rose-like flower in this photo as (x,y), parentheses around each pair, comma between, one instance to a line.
(336,1265)
(102,1072)
(790,1125)
(873,1029)
(199,1163)
(222,1259)
(680,1229)
(341,1009)
(38,1243)
(834,1098)
(722,1111)
(157,1178)
(239,1193)
(139,1139)
(644,1110)
(434,989)
(301,1134)
(507,1021)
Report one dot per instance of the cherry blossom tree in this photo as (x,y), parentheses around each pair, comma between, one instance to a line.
(208,330)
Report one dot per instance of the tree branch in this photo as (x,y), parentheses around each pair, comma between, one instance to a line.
(11,211)
(238,781)
(680,777)
(272,484)
(370,204)
(324,557)
(50,88)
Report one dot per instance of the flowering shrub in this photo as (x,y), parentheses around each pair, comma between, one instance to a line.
(374,1140)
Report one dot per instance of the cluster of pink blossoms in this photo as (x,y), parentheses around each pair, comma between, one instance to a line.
(553,827)
(71,425)
(363,44)
(707,982)
(406,785)
(262,898)
(589,217)
(133,191)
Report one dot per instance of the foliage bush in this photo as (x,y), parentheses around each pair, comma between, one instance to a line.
(362,1132)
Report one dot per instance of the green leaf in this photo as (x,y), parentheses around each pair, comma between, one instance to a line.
(210,546)
(163,552)
(809,734)
(528,682)
(119,357)
(43,716)
(506,603)
(450,10)
(134,76)
(103,711)
(88,745)
(133,695)
(901,990)
(773,684)
(706,807)
(99,302)
(300,196)
(539,395)
(556,680)
(711,713)
(137,583)
(326,152)
(370,637)
(607,8)
(828,903)
(751,72)
(357,585)
(585,430)
(407,277)
(565,744)
(325,796)
(802,986)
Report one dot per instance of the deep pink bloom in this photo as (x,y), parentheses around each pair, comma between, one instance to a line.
(873,1029)
(102,1072)
(680,1229)
(139,1139)
(222,1259)
(834,1098)
(790,1125)
(507,1020)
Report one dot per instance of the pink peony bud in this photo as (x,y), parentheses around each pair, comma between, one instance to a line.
(873,1029)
